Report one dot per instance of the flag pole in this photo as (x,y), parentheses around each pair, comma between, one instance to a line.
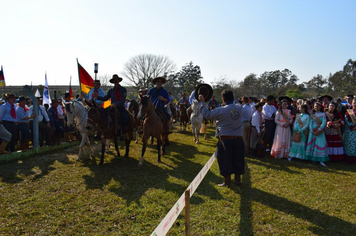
(80,84)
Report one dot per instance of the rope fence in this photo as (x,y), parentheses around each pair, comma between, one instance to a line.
(183,201)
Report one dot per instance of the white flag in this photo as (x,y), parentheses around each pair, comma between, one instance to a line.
(46,95)
(37,94)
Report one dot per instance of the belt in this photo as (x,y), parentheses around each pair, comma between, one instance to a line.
(23,123)
(268,120)
(245,121)
(229,137)
(8,122)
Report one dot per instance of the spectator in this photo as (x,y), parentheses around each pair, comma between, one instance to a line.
(54,122)
(8,120)
(22,123)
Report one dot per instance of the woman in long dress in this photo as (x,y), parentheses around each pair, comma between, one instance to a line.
(282,136)
(349,139)
(317,147)
(333,135)
(301,126)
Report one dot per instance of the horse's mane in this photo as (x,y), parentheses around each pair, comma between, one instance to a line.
(144,100)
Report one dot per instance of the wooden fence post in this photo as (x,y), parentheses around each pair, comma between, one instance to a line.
(187,212)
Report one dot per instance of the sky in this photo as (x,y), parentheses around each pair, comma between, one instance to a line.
(227,39)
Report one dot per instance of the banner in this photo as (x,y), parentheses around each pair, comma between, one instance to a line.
(70,88)
(46,95)
(2,78)
(86,82)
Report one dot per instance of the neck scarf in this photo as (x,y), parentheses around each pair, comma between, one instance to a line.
(13,112)
(24,108)
(118,94)
(213,102)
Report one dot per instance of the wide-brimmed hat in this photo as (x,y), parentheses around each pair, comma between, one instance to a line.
(326,96)
(97,81)
(142,90)
(350,96)
(204,89)
(54,100)
(157,78)
(22,98)
(67,95)
(10,95)
(271,97)
(114,78)
(244,99)
(285,98)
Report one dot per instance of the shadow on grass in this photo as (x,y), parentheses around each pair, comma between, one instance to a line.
(12,172)
(125,179)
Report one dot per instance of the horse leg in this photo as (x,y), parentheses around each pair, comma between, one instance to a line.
(127,144)
(102,151)
(117,148)
(81,147)
(151,138)
(136,141)
(87,141)
(107,145)
(159,149)
(193,132)
(144,141)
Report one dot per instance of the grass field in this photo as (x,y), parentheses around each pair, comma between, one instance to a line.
(52,194)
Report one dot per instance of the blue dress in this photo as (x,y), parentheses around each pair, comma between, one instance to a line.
(317,147)
(297,150)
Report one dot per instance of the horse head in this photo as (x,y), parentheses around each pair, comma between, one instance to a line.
(196,108)
(93,116)
(145,106)
(133,107)
(70,114)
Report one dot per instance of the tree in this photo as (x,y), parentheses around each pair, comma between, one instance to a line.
(279,79)
(189,76)
(317,83)
(140,70)
(350,68)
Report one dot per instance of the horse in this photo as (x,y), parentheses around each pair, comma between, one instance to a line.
(107,121)
(133,109)
(196,119)
(153,126)
(184,119)
(77,116)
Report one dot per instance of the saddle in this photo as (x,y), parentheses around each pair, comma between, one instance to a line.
(162,117)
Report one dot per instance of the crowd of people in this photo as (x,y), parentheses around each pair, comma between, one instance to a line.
(317,130)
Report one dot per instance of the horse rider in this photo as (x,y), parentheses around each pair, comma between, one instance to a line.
(118,97)
(184,100)
(230,148)
(160,97)
(141,92)
(8,120)
(96,89)
(213,103)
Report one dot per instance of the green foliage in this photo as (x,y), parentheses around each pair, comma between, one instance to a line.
(294,93)
(189,76)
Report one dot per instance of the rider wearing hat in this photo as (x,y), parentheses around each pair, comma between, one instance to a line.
(97,90)
(118,97)
(160,97)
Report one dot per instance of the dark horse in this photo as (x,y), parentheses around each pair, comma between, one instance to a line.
(153,125)
(107,121)
(183,116)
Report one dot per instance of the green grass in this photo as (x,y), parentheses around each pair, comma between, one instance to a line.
(52,194)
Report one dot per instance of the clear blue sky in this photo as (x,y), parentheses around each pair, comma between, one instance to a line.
(225,38)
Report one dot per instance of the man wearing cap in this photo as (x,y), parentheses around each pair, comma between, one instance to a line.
(268,114)
(44,126)
(97,90)
(8,120)
(160,97)
(54,122)
(141,92)
(22,122)
(118,97)
(230,149)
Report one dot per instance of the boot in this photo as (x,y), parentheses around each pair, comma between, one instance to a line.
(227,182)
(27,143)
(2,148)
(237,179)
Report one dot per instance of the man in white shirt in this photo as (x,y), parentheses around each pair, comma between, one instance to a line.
(268,114)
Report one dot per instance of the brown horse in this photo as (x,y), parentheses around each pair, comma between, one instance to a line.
(153,126)
(133,109)
(107,122)
(183,117)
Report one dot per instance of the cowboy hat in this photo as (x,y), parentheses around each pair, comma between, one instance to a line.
(114,78)
(157,78)
(98,81)
(326,96)
(11,95)
(284,97)
(142,89)
(22,99)
(204,89)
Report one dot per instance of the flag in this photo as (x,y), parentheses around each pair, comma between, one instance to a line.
(46,95)
(37,94)
(86,82)
(107,103)
(70,88)
(2,78)
(31,86)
